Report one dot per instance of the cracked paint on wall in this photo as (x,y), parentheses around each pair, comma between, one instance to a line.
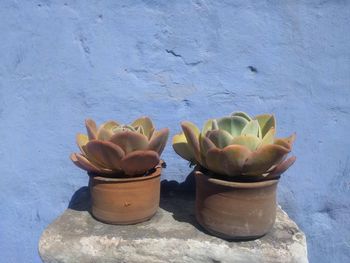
(61,62)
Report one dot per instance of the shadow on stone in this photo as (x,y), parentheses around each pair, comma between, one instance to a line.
(187,187)
(179,200)
(80,200)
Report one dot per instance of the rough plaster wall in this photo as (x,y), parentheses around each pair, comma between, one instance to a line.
(63,61)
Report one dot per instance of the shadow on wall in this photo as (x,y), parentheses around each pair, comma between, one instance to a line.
(179,200)
(81,200)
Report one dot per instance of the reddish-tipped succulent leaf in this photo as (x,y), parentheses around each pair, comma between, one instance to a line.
(236,145)
(112,148)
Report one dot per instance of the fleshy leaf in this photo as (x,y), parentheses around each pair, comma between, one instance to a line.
(207,127)
(214,125)
(110,125)
(233,125)
(269,137)
(282,143)
(146,124)
(82,140)
(250,141)
(130,141)
(91,158)
(104,134)
(182,148)
(85,164)
(206,144)
(139,162)
(214,161)
(286,142)
(282,167)
(192,136)
(228,161)
(265,157)
(140,130)
(106,153)
(105,131)
(123,128)
(91,129)
(252,128)
(266,122)
(158,140)
(290,140)
(242,114)
(220,138)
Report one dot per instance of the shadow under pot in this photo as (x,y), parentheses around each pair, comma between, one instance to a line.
(235,210)
(125,200)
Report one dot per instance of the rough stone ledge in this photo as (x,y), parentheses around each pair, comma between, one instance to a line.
(172,235)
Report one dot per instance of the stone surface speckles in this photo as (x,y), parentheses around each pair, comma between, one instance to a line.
(172,235)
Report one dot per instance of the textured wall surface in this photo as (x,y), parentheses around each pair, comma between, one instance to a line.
(63,61)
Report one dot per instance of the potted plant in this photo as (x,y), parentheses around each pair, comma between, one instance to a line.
(238,164)
(123,162)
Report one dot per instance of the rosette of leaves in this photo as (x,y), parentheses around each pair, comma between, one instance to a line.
(120,150)
(236,146)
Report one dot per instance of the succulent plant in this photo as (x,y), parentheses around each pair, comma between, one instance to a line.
(236,146)
(122,150)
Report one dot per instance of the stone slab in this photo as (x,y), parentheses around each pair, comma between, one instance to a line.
(172,235)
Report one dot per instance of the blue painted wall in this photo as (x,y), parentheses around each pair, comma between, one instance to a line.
(63,61)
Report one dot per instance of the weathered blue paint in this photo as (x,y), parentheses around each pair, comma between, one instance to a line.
(63,61)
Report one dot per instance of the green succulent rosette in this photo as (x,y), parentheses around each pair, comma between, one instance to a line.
(113,148)
(236,146)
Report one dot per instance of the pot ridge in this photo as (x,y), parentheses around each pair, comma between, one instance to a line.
(235,210)
(125,200)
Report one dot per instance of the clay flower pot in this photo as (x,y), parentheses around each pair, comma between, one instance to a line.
(125,200)
(235,210)
(124,165)
(242,160)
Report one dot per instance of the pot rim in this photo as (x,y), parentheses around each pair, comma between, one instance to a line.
(155,173)
(247,185)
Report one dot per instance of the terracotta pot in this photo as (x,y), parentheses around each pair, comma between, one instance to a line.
(125,200)
(235,210)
